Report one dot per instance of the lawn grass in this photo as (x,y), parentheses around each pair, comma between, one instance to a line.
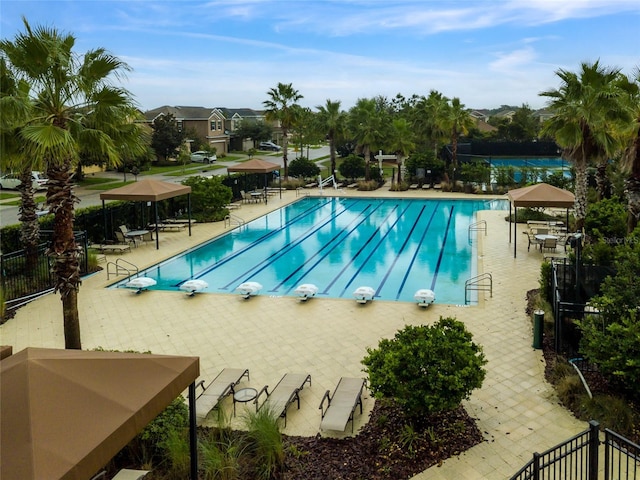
(200,169)
(109,185)
(18,201)
(5,195)
(89,181)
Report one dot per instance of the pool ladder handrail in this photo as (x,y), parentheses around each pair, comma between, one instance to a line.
(479,226)
(230,219)
(482,282)
(118,268)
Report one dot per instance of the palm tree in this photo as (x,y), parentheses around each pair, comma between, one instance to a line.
(459,121)
(281,107)
(74,109)
(586,108)
(366,125)
(401,141)
(15,105)
(332,121)
(632,157)
(431,119)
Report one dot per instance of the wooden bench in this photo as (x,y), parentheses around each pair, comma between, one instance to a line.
(342,404)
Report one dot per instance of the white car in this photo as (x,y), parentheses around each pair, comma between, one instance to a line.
(203,157)
(12,180)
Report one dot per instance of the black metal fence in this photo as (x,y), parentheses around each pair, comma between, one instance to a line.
(16,284)
(578,459)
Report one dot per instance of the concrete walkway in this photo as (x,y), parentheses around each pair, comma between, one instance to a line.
(516,409)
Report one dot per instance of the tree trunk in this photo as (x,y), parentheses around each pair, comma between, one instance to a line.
(367,159)
(400,163)
(580,205)
(602,182)
(332,153)
(632,190)
(285,159)
(29,226)
(63,251)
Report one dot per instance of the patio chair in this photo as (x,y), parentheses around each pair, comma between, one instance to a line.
(342,404)
(246,198)
(532,240)
(217,390)
(549,244)
(284,394)
(122,240)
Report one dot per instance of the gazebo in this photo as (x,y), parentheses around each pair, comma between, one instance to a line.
(538,195)
(66,413)
(256,165)
(148,191)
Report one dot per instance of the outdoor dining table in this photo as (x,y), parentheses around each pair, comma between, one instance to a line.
(541,237)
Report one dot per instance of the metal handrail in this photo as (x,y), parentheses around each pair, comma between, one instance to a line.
(476,284)
(478,226)
(120,269)
(230,218)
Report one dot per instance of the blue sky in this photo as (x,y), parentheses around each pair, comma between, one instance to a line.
(229,53)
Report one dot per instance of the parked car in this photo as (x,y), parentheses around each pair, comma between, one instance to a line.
(270,146)
(203,157)
(12,180)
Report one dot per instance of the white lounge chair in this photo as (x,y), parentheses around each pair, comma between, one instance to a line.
(342,404)
(221,386)
(424,297)
(248,289)
(193,286)
(140,284)
(284,394)
(306,291)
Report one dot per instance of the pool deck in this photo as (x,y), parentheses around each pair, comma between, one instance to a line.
(516,408)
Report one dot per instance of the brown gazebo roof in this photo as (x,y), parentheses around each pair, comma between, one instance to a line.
(146,191)
(66,413)
(541,195)
(255,165)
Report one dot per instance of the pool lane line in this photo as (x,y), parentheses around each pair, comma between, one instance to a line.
(415,254)
(373,251)
(256,242)
(252,272)
(332,244)
(444,244)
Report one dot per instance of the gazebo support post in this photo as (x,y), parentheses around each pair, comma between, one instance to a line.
(104,221)
(515,229)
(157,222)
(189,211)
(193,432)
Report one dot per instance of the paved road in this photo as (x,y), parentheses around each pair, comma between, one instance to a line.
(88,198)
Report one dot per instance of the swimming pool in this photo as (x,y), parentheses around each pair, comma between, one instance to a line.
(395,246)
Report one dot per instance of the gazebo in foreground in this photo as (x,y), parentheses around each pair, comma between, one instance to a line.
(66,413)
(538,195)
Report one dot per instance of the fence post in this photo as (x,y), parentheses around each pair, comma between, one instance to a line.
(594,444)
(536,466)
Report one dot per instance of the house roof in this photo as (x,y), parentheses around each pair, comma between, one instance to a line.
(66,413)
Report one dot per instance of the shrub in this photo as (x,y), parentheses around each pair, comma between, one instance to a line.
(352,167)
(208,197)
(303,167)
(607,220)
(426,369)
(265,442)
(368,185)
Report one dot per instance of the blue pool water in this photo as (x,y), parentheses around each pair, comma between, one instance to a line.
(395,246)
(546,164)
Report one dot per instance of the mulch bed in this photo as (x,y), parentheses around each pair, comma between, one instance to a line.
(383,449)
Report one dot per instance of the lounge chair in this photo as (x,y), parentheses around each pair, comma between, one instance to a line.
(129,474)
(122,240)
(109,248)
(284,394)
(342,404)
(220,387)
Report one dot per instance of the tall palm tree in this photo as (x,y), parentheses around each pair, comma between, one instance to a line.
(431,119)
(401,141)
(74,108)
(366,125)
(586,109)
(631,157)
(458,120)
(332,121)
(15,105)
(281,107)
